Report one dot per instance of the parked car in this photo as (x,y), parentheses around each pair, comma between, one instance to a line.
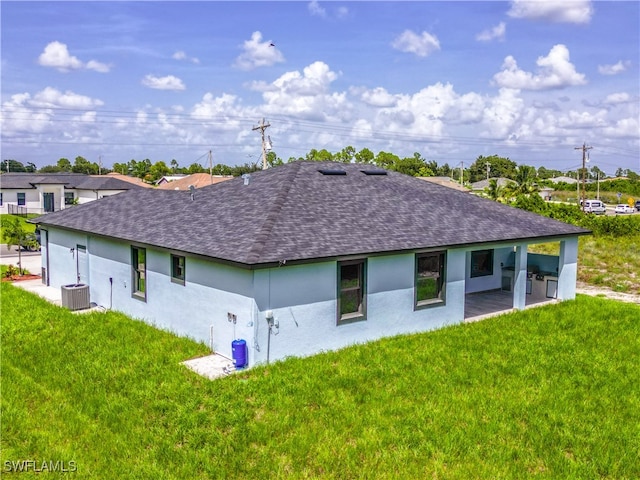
(623,208)
(31,243)
(594,206)
(638,205)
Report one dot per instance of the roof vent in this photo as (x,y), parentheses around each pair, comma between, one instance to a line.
(192,192)
(325,171)
(374,172)
(247,178)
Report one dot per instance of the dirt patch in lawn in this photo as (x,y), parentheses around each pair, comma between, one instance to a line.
(607,292)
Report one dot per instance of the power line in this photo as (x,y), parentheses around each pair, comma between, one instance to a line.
(284,122)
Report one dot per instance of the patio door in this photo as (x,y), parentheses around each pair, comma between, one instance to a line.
(47,199)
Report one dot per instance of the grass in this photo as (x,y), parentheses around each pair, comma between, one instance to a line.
(605,260)
(28,227)
(552,392)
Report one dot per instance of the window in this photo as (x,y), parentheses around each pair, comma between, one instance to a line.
(68,198)
(430,279)
(21,199)
(177,269)
(139,272)
(351,291)
(481,263)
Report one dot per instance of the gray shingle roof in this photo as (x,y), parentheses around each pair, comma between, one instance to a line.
(293,212)
(21,180)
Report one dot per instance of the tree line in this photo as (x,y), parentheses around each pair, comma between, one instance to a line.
(493,166)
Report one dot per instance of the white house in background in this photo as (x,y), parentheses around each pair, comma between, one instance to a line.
(168,179)
(305,257)
(50,192)
(480,186)
(562,179)
(197,180)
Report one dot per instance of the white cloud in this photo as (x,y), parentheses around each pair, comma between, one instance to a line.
(614,69)
(567,11)
(502,113)
(56,55)
(34,114)
(616,98)
(306,94)
(258,54)
(168,82)
(97,66)
(180,55)
(316,10)
(51,97)
(624,128)
(495,33)
(410,42)
(378,97)
(556,71)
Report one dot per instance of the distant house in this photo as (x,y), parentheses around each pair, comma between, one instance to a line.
(561,179)
(130,179)
(546,193)
(306,257)
(198,180)
(480,186)
(445,182)
(48,192)
(168,178)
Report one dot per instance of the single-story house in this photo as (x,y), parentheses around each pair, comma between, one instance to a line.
(49,192)
(446,182)
(130,179)
(481,185)
(169,178)
(305,257)
(563,179)
(546,193)
(197,180)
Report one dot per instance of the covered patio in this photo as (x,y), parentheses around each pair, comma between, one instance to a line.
(481,305)
(507,278)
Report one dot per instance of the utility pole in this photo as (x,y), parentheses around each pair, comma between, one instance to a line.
(210,167)
(584,149)
(461,173)
(488,164)
(262,127)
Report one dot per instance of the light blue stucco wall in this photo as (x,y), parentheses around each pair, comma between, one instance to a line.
(568,269)
(502,256)
(303,298)
(304,303)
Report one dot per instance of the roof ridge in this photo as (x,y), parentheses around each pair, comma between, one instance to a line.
(265,231)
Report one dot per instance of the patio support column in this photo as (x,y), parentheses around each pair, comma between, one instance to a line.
(568,269)
(520,278)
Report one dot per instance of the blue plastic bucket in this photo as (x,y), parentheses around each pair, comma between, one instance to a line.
(239,353)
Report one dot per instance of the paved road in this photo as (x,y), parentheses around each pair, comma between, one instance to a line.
(30,260)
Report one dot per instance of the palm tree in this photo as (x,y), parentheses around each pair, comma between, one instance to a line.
(525,180)
(495,191)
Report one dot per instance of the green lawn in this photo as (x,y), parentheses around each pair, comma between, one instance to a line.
(605,260)
(552,392)
(28,227)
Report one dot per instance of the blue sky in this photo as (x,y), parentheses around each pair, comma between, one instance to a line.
(117,81)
